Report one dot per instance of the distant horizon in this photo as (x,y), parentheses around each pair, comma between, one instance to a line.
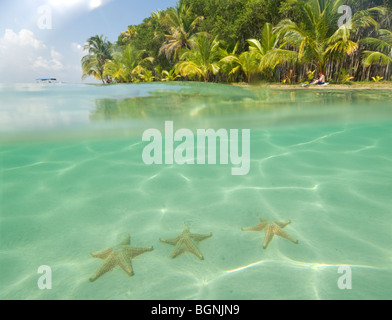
(44,39)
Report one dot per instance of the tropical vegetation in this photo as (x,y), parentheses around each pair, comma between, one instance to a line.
(286,41)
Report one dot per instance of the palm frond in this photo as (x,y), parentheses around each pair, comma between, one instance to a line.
(273,57)
(372,57)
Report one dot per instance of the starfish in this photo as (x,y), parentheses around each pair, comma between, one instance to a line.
(271,229)
(185,242)
(120,255)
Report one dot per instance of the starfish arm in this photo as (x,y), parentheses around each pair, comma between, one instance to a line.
(200,237)
(126,241)
(192,248)
(269,234)
(102,254)
(283,234)
(108,265)
(282,224)
(259,227)
(124,262)
(134,252)
(170,241)
(178,249)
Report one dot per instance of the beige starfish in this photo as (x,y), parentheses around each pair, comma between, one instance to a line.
(120,255)
(271,229)
(186,242)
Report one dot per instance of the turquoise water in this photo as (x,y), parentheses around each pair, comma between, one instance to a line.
(72,182)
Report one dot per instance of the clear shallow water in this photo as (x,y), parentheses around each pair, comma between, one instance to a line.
(72,180)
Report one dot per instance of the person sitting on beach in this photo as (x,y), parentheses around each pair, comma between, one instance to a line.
(320,80)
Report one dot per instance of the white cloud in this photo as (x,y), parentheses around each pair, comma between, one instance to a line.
(23,57)
(53,64)
(25,38)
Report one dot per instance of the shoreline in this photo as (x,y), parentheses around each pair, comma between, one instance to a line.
(384,85)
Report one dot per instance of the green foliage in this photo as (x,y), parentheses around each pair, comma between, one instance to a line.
(149,36)
(309,76)
(246,62)
(169,75)
(202,60)
(235,20)
(344,76)
(146,76)
(99,51)
(236,40)
(127,65)
(181,24)
(383,47)
(377,78)
(318,39)
(289,78)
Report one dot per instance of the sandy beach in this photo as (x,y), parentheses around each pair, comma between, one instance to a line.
(382,85)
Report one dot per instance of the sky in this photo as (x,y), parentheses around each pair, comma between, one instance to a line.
(45,38)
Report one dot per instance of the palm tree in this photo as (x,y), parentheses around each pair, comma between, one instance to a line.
(99,51)
(127,64)
(383,45)
(181,25)
(269,50)
(318,39)
(263,55)
(202,60)
(146,75)
(269,41)
(169,75)
(129,34)
(157,15)
(246,61)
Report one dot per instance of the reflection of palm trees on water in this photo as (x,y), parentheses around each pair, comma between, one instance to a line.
(202,101)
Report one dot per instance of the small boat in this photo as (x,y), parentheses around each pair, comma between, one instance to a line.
(46,80)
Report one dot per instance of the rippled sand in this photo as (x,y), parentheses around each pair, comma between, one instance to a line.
(62,199)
